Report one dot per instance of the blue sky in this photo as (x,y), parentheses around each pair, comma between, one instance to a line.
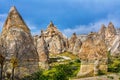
(80,16)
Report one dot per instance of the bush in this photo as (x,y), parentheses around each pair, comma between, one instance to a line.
(114,65)
(77,61)
(101,72)
(36,76)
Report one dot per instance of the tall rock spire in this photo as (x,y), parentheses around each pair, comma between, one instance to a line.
(17,41)
(102,31)
(110,34)
(42,52)
(111,28)
(72,41)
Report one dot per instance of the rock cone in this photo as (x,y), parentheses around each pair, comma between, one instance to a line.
(18,43)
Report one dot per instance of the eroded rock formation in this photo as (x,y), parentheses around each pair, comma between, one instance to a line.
(102,31)
(110,34)
(115,48)
(74,44)
(17,41)
(55,40)
(93,50)
(111,37)
(43,53)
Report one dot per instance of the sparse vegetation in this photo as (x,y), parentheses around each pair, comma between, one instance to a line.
(58,71)
(14,63)
(113,64)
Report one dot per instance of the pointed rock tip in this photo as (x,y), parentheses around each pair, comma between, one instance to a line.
(74,33)
(110,23)
(13,8)
(51,24)
(103,25)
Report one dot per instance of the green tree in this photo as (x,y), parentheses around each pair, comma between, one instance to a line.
(2,59)
(14,62)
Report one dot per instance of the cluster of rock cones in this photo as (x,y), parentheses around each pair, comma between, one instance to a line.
(33,51)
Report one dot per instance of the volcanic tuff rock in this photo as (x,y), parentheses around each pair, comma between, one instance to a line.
(93,53)
(72,41)
(110,34)
(82,37)
(55,40)
(35,38)
(74,44)
(43,53)
(102,31)
(17,41)
(115,48)
(77,46)
(93,47)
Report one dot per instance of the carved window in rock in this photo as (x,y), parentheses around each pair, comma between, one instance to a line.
(48,46)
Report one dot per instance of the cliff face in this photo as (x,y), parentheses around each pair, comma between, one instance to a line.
(17,41)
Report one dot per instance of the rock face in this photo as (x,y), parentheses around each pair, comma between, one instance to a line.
(55,40)
(77,46)
(74,44)
(36,37)
(115,49)
(110,34)
(17,42)
(72,41)
(92,51)
(82,37)
(43,53)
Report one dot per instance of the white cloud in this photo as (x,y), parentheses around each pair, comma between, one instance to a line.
(94,26)
(31,25)
(2,20)
(34,29)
